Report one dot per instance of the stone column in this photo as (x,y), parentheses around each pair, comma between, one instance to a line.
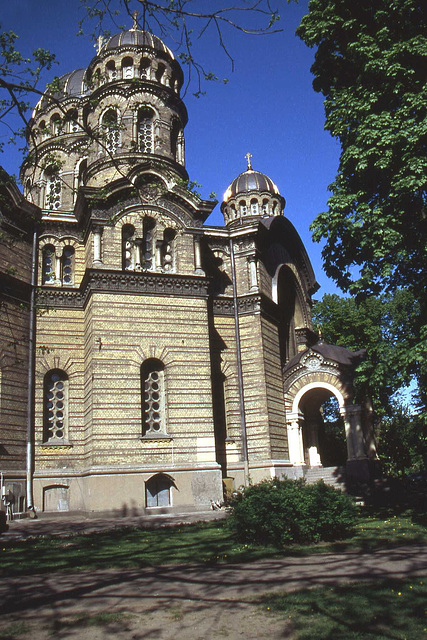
(312,429)
(138,254)
(97,246)
(352,415)
(57,266)
(295,443)
(253,273)
(198,256)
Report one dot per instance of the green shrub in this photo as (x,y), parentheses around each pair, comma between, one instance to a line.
(280,512)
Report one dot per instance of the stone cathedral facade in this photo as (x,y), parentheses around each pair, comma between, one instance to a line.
(171,358)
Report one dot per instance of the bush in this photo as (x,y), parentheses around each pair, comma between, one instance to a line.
(279,512)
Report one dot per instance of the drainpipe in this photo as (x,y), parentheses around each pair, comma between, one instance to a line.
(239,370)
(31,381)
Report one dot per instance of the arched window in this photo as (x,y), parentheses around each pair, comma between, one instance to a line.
(44,133)
(27,190)
(153,398)
(254,208)
(55,414)
(167,249)
(174,139)
(55,124)
(53,190)
(127,68)
(144,69)
(158,491)
(111,130)
(243,208)
(160,72)
(128,245)
(68,266)
(265,207)
(146,130)
(111,70)
(82,169)
(48,264)
(72,117)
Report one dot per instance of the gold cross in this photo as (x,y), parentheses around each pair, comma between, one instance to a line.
(248,157)
(135,20)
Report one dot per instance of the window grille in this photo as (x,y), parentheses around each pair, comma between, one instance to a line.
(48,265)
(68,266)
(153,401)
(53,191)
(55,405)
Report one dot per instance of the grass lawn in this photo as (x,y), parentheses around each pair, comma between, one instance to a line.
(201,543)
(385,610)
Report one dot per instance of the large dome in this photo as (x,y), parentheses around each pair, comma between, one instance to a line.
(137,38)
(250,181)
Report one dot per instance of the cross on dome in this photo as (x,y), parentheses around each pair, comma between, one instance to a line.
(248,157)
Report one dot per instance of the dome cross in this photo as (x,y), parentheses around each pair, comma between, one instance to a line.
(248,157)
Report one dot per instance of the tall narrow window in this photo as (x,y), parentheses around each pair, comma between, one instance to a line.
(144,69)
(55,124)
(254,207)
(53,190)
(146,130)
(128,244)
(160,72)
(68,266)
(111,70)
(72,119)
(48,264)
(127,68)
(111,130)
(153,398)
(55,419)
(167,249)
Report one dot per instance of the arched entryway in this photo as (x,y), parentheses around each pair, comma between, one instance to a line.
(312,377)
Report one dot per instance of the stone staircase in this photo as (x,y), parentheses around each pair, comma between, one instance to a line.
(334,476)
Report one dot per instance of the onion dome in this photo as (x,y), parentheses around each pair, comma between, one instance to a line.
(249,181)
(137,38)
(251,195)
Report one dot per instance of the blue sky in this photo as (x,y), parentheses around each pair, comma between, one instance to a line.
(268,108)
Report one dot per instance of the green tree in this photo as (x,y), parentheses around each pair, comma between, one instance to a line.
(402,443)
(371,67)
(378,324)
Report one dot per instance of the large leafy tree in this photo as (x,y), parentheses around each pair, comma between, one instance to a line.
(378,324)
(371,67)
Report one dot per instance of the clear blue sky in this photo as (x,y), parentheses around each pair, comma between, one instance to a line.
(268,108)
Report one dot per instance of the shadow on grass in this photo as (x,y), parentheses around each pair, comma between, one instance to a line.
(384,609)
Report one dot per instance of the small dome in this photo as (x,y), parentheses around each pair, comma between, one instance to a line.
(72,86)
(136,37)
(248,181)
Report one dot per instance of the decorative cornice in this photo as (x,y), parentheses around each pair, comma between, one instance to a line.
(249,304)
(123,282)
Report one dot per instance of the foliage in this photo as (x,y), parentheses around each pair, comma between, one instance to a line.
(370,65)
(379,324)
(402,443)
(392,608)
(19,78)
(281,512)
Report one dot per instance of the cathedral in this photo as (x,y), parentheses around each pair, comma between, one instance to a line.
(149,361)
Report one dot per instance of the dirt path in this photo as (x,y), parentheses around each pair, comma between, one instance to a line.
(190,602)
